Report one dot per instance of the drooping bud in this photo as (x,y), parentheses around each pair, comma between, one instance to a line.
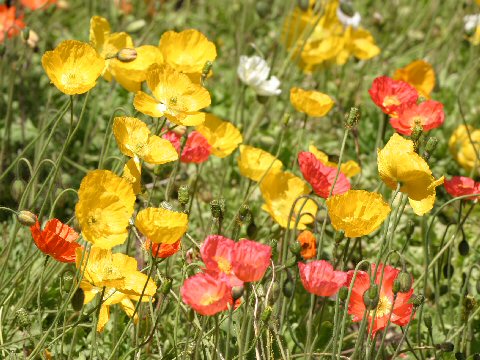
(405,281)
(430,148)
(417,300)
(295,248)
(266,314)
(410,228)
(22,318)
(18,189)
(183,195)
(127,55)
(237,292)
(166,286)
(288,288)
(427,320)
(445,347)
(371,297)
(26,218)
(343,293)
(448,271)
(353,117)
(463,248)
(78,299)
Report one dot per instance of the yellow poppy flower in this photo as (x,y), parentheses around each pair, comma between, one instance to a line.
(462,149)
(187,51)
(222,136)
(349,168)
(357,212)
(105,205)
(420,75)
(132,172)
(359,43)
(310,102)
(73,67)
(135,139)
(255,163)
(161,225)
(98,271)
(175,96)
(131,74)
(398,163)
(106,43)
(279,191)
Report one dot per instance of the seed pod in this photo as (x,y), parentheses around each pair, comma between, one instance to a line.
(26,218)
(166,286)
(78,299)
(288,288)
(448,271)
(463,247)
(18,188)
(237,292)
(405,281)
(417,300)
(183,195)
(127,55)
(22,318)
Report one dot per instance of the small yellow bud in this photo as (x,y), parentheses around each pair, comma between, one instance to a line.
(26,218)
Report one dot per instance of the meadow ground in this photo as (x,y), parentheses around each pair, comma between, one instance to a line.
(239,179)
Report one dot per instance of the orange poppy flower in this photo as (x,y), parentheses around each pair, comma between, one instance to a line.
(308,243)
(162,251)
(10,25)
(56,239)
(37,4)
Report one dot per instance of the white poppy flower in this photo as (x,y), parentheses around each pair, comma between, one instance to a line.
(254,72)
(471,22)
(347,20)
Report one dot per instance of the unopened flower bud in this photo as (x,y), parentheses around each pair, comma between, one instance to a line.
(217,208)
(352,118)
(252,230)
(22,318)
(166,205)
(370,297)
(405,281)
(127,55)
(463,248)
(26,218)
(416,134)
(78,299)
(206,69)
(135,26)
(295,247)
(263,9)
(303,4)
(430,147)
(445,347)
(18,188)
(183,195)
(291,262)
(288,288)
(166,286)
(448,271)
(347,8)
(427,320)
(237,292)
(343,293)
(417,300)
(396,286)
(410,228)
(244,214)
(274,292)
(25,34)
(266,314)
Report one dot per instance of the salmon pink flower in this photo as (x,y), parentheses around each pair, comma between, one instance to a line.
(10,25)
(196,149)
(217,254)
(402,309)
(319,278)
(250,260)
(162,251)
(56,239)
(462,185)
(429,114)
(206,294)
(321,176)
(389,94)
(37,4)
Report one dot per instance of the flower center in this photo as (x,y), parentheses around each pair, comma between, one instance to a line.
(391,100)
(223,265)
(383,307)
(209,299)
(71,79)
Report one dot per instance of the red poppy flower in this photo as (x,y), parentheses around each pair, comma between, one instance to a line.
(402,309)
(196,149)
(10,25)
(309,245)
(217,254)
(206,294)
(37,4)
(250,260)
(320,176)
(389,94)
(429,114)
(319,278)
(462,185)
(56,239)
(162,251)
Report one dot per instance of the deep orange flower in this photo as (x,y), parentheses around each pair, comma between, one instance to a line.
(250,260)
(402,309)
(196,149)
(162,251)
(37,4)
(429,114)
(308,243)
(389,94)
(207,294)
(320,176)
(10,25)
(462,185)
(56,239)
(319,278)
